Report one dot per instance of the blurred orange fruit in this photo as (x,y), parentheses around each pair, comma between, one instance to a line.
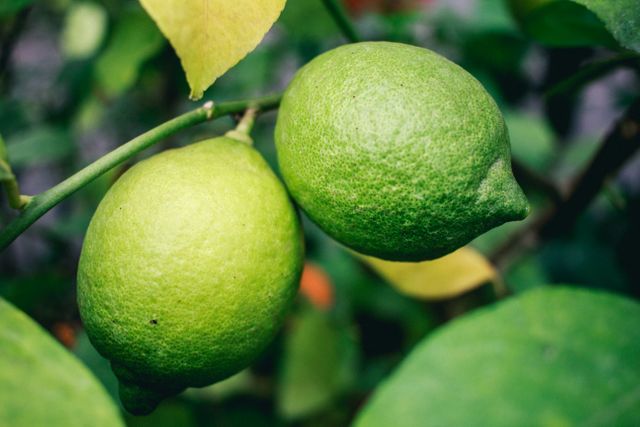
(316,286)
(65,333)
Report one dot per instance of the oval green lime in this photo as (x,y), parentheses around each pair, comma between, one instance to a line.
(188,268)
(395,151)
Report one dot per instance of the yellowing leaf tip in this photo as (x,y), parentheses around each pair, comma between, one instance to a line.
(211,36)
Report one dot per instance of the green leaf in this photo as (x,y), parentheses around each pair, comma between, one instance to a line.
(575,157)
(318,365)
(135,40)
(527,272)
(561,23)
(490,16)
(551,357)
(27,292)
(42,383)
(40,145)
(214,35)
(621,17)
(532,141)
(307,21)
(5,175)
(8,7)
(84,29)
(98,365)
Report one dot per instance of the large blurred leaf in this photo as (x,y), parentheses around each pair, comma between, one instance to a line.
(39,145)
(551,357)
(249,77)
(42,384)
(13,117)
(84,29)
(5,174)
(98,365)
(134,41)
(527,272)
(12,6)
(28,292)
(501,52)
(561,23)
(575,156)
(318,365)
(621,17)
(212,36)
(490,16)
(446,277)
(532,141)
(307,20)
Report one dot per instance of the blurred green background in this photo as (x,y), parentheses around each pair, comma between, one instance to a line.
(79,78)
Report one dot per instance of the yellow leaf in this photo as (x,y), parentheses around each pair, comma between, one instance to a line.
(211,36)
(443,278)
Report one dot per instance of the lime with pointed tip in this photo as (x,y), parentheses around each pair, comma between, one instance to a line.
(396,151)
(187,269)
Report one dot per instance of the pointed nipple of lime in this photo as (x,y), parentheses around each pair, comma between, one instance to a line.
(500,193)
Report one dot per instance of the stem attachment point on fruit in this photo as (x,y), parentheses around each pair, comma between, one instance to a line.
(243,129)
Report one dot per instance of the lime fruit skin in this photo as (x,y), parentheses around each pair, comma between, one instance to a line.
(188,267)
(396,152)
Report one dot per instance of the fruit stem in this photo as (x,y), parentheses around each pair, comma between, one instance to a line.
(40,204)
(10,182)
(242,132)
(11,187)
(339,15)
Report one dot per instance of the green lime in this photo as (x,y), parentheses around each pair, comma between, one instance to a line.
(188,268)
(396,152)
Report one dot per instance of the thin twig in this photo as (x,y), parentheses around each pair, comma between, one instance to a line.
(42,203)
(339,15)
(11,188)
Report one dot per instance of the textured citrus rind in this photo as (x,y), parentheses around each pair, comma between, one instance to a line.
(396,151)
(188,267)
